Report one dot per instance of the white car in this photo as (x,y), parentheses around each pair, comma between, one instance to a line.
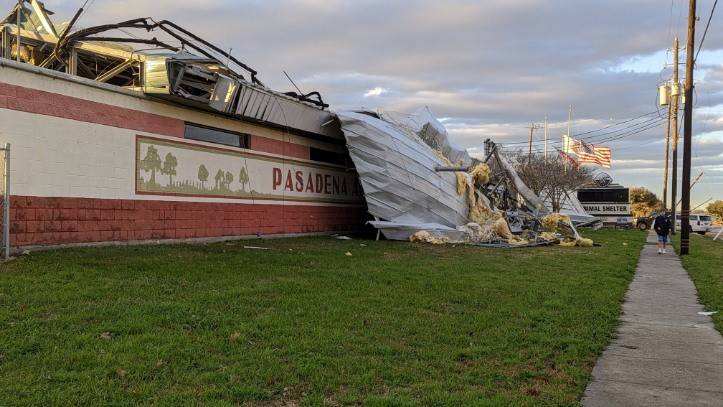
(700,224)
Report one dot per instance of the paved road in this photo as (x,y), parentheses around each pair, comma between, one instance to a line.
(665,353)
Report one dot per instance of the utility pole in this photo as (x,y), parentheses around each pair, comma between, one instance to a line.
(667,156)
(533,127)
(687,133)
(674,127)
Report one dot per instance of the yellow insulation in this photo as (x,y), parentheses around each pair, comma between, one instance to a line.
(583,242)
(461,183)
(580,242)
(550,222)
(492,224)
(502,229)
(516,240)
(480,173)
(424,237)
(443,158)
(479,213)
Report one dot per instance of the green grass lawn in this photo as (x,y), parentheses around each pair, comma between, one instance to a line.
(704,264)
(304,323)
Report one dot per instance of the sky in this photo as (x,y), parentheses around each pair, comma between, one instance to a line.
(487,69)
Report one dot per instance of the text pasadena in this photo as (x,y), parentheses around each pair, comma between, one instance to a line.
(300,181)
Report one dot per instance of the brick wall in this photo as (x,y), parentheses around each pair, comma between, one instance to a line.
(52,221)
(282,148)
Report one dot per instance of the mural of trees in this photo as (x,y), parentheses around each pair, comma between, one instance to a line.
(169,167)
(151,162)
(243,178)
(203,175)
(190,176)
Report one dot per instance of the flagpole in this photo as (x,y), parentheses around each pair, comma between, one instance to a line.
(569,114)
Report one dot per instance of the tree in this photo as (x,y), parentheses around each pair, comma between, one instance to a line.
(642,202)
(169,167)
(202,175)
(243,178)
(716,208)
(551,178)
(151,162)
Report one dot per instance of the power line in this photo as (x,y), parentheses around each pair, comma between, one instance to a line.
(705,32)
(606,136)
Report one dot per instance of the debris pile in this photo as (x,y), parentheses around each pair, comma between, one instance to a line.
(421,187)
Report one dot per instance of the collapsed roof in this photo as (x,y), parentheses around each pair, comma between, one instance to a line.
(184,69)
(419,185)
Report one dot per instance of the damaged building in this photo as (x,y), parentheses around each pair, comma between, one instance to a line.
(113,144)
(110,144)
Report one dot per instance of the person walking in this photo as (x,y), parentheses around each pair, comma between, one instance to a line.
(662,227)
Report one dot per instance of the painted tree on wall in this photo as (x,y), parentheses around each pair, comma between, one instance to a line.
(169,167)
(151,162)
(202,175)
(228,179)
(243,178)
(219,179)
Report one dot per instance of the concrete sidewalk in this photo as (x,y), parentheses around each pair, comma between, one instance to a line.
(665,353)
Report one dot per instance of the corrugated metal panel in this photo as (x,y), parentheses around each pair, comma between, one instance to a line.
(265,105)
(397,174)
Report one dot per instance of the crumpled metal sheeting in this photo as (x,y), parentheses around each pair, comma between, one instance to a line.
(430,131)
(400,230)
(396,170)
(397,157)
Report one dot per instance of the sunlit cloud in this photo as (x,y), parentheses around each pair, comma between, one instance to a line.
(375,92)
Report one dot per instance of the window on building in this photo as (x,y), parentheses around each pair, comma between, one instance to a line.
(218,136)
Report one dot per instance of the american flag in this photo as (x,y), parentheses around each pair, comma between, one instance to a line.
(603,156)
(585,152)
(588,153)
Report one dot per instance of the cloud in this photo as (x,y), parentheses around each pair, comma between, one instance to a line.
(375,92)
